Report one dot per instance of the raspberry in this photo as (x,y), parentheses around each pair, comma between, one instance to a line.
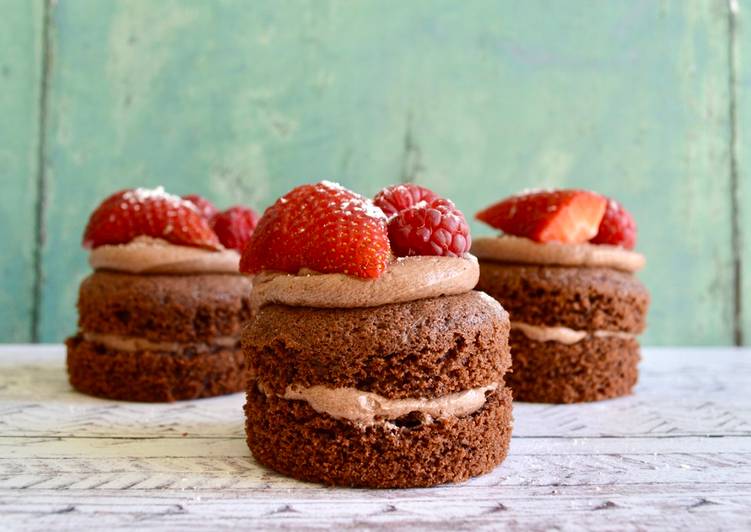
(396,198)
(235,226)
(435,228)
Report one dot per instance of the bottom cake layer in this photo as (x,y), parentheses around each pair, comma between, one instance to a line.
(153,376)
(589,370)
(292,438)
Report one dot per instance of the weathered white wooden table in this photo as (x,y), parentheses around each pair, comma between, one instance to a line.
(675,455)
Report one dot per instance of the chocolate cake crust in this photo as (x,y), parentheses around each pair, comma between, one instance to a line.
(176,308)
(292,438)
(590,370)
(424,348)
(154,376)
(586,299)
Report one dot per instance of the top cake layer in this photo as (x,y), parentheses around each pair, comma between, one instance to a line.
(426,348)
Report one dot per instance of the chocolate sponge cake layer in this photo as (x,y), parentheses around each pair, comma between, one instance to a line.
(592,369)
(429,348)
(290,437)
(154,376)
(587,299)
(178,308)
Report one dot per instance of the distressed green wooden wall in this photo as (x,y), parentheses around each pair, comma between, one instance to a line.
(649,101)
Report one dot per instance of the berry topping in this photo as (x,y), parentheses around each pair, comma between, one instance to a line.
(323,227)
(617,227)
(205,207)
(430,228)
(394,199)
(568,216)
(145,212)
(234,226)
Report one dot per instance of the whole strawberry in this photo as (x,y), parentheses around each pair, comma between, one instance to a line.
(205,207)
(617,227)
(430,228)
(394,199)
(235,226)
(148,212)
(323,227)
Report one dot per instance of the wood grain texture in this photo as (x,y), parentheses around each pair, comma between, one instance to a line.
(741,55)
(658,459)
(20,75)
(474,99)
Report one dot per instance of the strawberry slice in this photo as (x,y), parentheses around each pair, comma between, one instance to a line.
(568,216)
(617,228)
(148,212)
(394,199)
(323,227)
(435,228)
(235,226)
(205,207)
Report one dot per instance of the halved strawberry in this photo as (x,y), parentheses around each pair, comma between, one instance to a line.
(434,228)
(617,228)
(396,198)
(235,226)
(568,216)
(205,207)
(148,212)
(323,227)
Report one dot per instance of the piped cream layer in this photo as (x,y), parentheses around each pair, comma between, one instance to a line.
(523,250)
(367,408)
(133,343)
(563,335)
(406,279)
(153,255)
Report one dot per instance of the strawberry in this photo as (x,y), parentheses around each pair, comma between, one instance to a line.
(430,228)
(568,216)
(144,212)
(205,207)
(396,198)
(324,227)
(617,227)
(234,226)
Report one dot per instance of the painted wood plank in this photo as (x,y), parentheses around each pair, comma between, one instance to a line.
(698,506)
(153,93)
(20,76)
(630,99)
(140,470)
(741,54)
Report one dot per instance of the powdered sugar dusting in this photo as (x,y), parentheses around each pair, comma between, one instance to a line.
(140,195)
(355,203)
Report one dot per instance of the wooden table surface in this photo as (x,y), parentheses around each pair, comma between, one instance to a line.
(676,455)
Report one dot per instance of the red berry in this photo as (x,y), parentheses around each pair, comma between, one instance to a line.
(568,216)
(323,227)
(394,199)
(234,226)
(145,212)
(205,207)
(617,228)
(435,228)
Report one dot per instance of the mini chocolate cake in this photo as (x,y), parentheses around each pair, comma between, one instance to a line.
(313,369)
(576,310)
(389,380)
(159,337)
(160,318)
